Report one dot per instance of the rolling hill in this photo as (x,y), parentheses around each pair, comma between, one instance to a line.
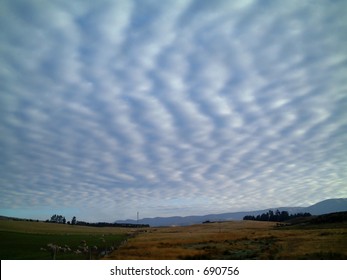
(323,207)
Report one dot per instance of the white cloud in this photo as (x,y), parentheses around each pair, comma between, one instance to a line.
(171,106)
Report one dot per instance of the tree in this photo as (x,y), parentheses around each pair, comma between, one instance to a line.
(277,216)
(249,217)
(73,221)
(58,219)
(284,216)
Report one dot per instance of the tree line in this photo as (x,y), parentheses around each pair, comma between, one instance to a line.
(60,219)
(104,224)
(277,216)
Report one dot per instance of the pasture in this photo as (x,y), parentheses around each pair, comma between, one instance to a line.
(238,240)
(22,240)
(226,240)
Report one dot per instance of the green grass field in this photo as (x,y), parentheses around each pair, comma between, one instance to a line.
(21,240)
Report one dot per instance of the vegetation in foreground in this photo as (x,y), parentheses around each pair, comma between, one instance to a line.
(248,240)
(23,240)
(323,237)
(29,246)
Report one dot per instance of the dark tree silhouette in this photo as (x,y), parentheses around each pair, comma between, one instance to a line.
(58,219)
(275,217)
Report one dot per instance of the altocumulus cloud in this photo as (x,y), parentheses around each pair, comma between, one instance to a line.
(170,107)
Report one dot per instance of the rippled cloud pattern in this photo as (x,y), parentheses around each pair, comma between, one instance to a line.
(170,107)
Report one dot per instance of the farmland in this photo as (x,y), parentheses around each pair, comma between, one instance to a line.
(25,240)
(238,240)
(220,240)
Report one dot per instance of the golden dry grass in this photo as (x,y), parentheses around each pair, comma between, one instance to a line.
(235,240)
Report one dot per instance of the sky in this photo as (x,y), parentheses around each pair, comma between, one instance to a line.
(170,108)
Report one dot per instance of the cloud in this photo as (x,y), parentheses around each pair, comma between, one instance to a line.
(170,108)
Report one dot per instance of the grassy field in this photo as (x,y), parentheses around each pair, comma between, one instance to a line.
(22,240)
(227,240)
(238,240)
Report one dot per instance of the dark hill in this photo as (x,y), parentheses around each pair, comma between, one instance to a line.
(338,217)
(328,206)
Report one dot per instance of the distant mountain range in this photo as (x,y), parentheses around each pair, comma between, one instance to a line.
(323,207)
